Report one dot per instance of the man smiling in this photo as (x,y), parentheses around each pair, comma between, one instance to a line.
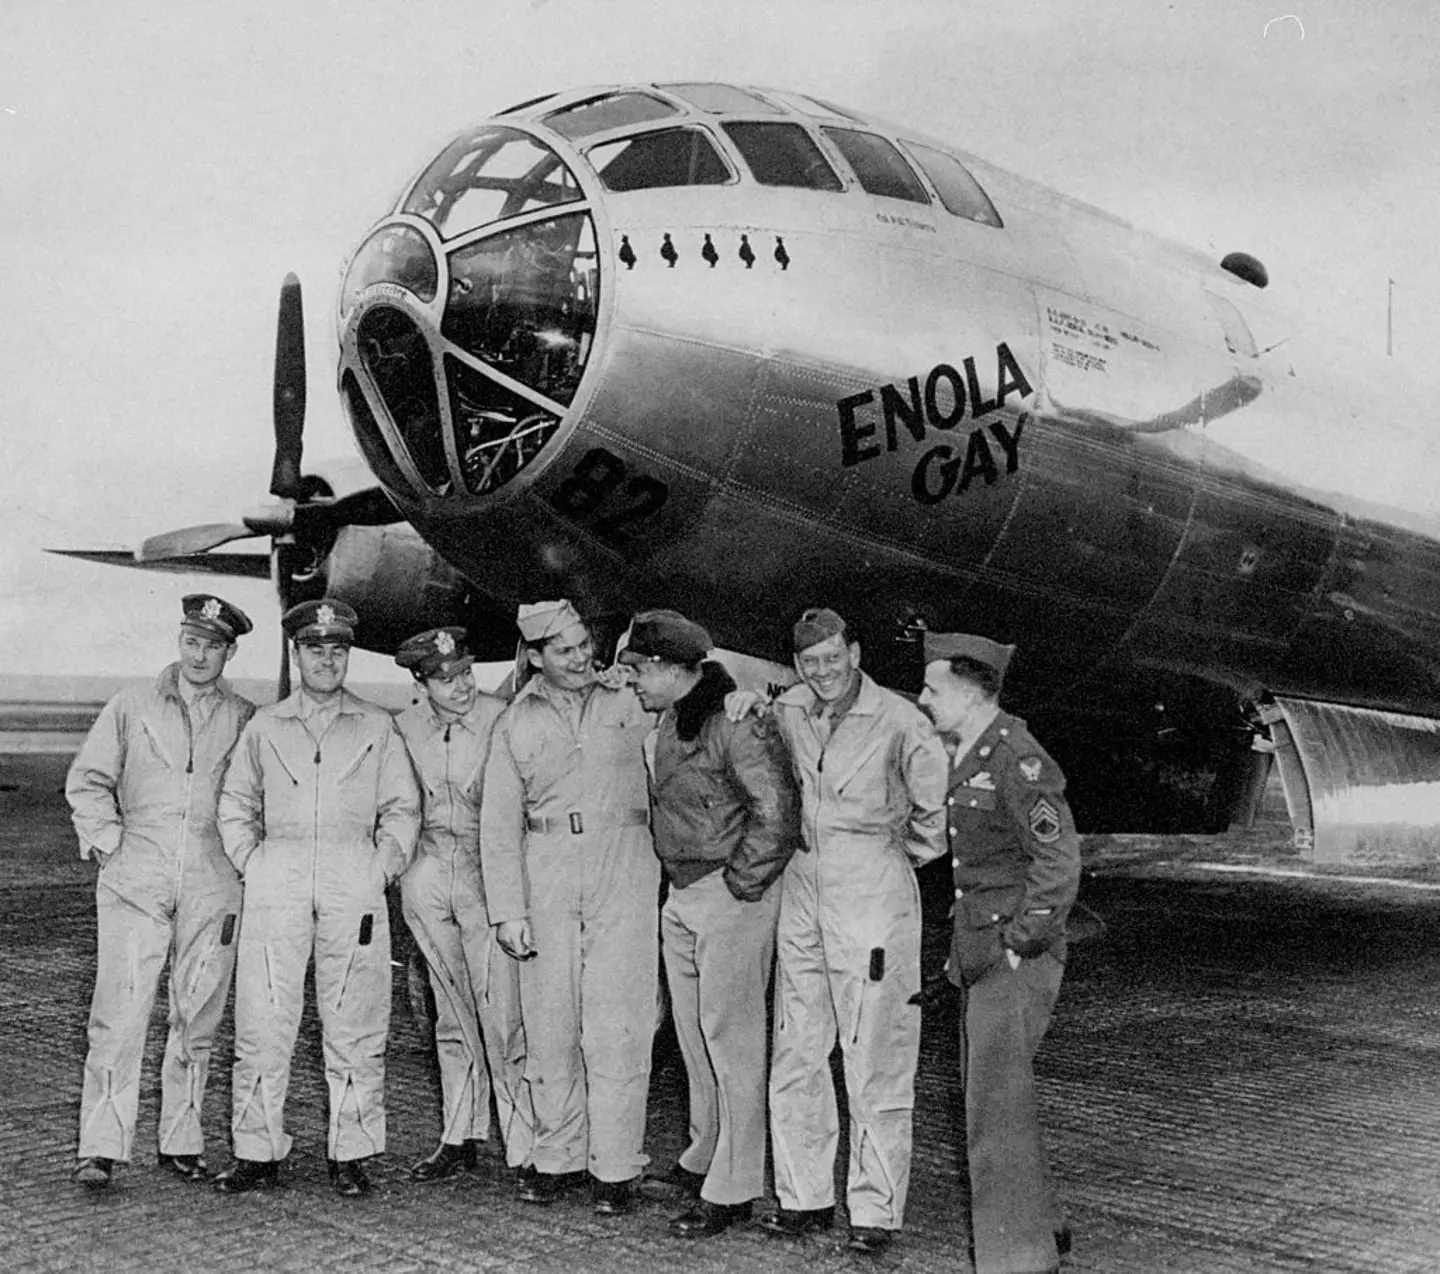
(320,810)
(478,1035)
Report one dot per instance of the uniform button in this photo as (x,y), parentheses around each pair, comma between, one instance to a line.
(950,801)
(959,893)
(972,803)
(954,862)
(952,831)
(984,752)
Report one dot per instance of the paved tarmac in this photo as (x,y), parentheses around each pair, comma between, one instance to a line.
(1243,1075)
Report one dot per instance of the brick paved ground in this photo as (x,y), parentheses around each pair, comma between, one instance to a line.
(1243,1075)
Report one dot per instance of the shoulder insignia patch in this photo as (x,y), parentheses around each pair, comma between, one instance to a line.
(1044,821)
(1030,767)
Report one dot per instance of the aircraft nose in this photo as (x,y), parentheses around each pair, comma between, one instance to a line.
(468,318)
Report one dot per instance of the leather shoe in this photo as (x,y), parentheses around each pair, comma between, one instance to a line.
(678,1177)
(864,1238)
(447,1161)
(348,1178)
(247,1175)
(543,1188)
(612,1198)
(707,1218)
(94,1172)
(792,1222)
(187,1167)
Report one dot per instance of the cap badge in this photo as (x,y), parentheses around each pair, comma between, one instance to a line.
(211,609)
(325,616)
(444,643)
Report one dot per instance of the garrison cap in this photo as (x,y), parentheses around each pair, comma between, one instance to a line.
(667,635)
(214,617)
(437,652)
(325,620)
(817,624)
(981,649)
(542,620)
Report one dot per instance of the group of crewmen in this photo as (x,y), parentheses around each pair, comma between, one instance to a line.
(529,835)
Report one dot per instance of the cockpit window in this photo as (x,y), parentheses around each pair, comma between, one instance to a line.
(528,102)
(783,155)
(615,110)
(721,99)
(523,301)
(879,167)
(958,190)
(487,175)
(812,105)
(669,157)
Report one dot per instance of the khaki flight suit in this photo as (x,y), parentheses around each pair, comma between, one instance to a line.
(142,793)
(476,985)
(848,949)
(565,841)
(317,824)
(1016,860)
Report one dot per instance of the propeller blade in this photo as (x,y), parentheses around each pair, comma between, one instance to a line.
(241,565)
(190,540)
(285,478)
(282,573)
(367,507)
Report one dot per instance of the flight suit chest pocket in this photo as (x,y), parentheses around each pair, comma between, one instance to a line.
(156,748)
(353,767)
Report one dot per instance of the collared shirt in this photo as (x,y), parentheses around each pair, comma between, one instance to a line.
(829,715)
(199,703)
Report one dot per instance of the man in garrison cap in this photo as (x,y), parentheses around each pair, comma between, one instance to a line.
(319,811)
(572,885)
(872,781)
(1016,862)
(142,793)
(479,1039)
(726,823)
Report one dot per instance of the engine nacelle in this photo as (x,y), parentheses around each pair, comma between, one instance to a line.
(399,586)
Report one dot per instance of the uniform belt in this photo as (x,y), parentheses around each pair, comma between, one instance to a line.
(577,821)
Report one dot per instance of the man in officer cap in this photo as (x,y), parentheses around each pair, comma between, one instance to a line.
(142,793)
(319,812)
(477,986)
(725,820)
(1016,861)
(572,884)
(872,780)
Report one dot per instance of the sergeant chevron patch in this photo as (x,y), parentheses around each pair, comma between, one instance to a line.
(1044,821)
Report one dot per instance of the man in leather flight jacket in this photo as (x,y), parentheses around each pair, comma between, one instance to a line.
(725,821)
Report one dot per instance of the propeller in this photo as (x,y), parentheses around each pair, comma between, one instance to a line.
(304,519)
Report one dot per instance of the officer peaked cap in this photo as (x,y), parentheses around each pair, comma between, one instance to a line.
(437,652)
(326,620)
(214,616)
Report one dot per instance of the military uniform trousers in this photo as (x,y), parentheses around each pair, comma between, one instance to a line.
(138,929)
(350,938)
(588,998)
(718,956)
(479,1038)
(840,906)
(1014,1212)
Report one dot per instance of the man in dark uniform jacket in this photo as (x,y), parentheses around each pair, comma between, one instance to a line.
(1016,860)
(725,819)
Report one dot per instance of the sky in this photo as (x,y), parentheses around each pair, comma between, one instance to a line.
(163,165)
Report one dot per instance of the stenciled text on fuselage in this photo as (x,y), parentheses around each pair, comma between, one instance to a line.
(939,400)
